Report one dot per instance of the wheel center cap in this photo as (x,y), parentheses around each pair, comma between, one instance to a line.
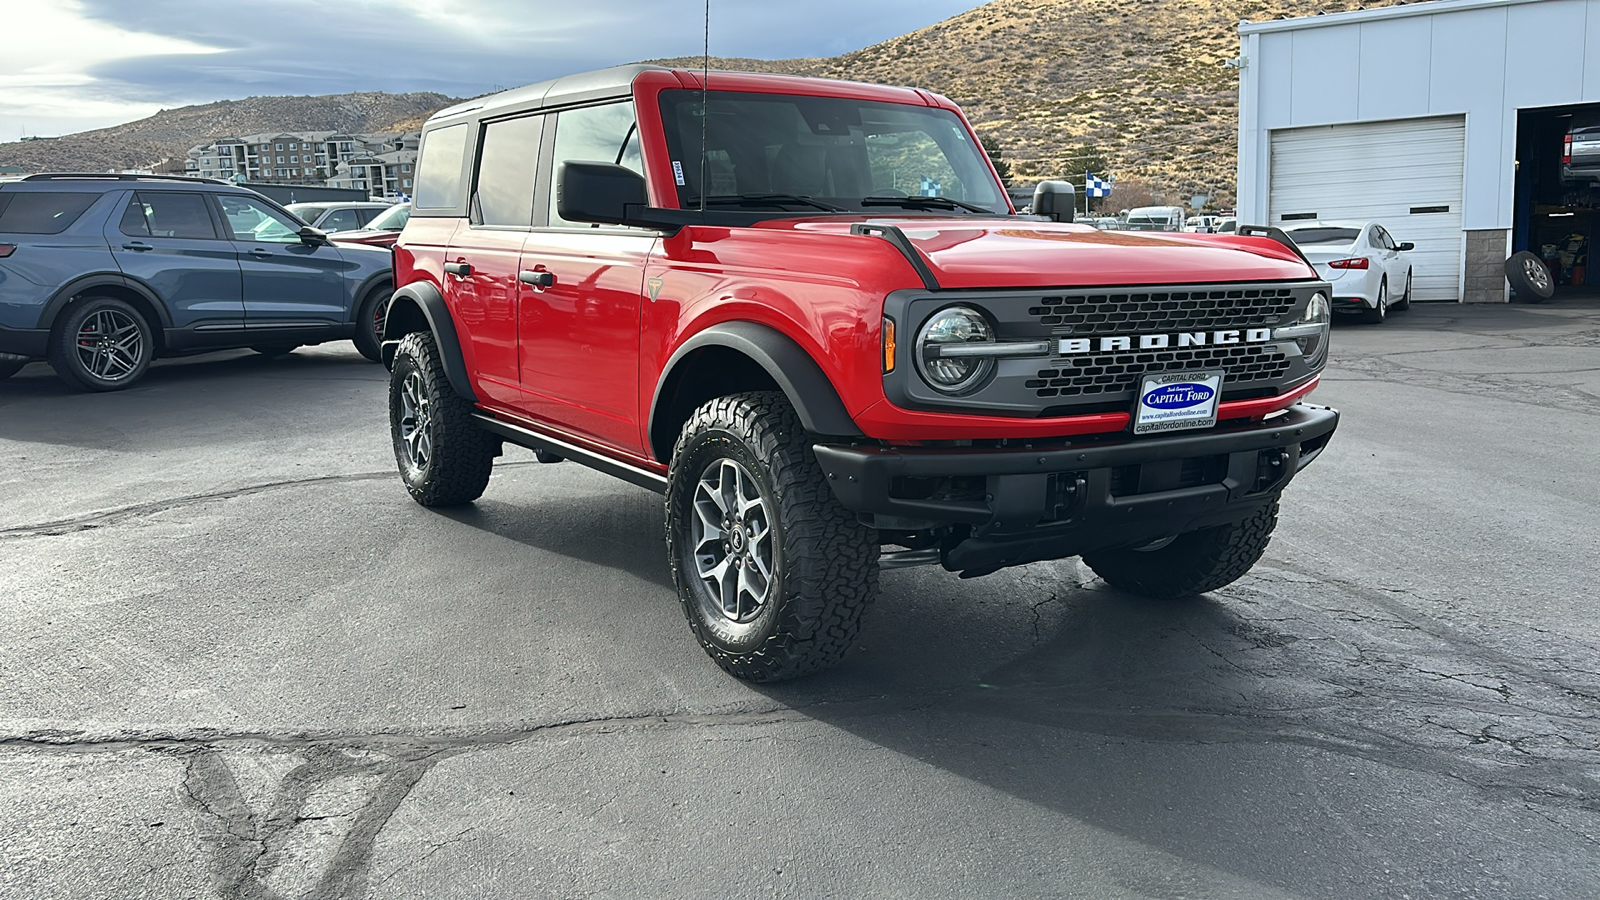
(736,540)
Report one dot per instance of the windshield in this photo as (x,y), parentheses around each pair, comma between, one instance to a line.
(392,219)
(1324,235)
(818,154)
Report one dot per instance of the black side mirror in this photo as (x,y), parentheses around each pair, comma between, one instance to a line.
(1057,200)
(599,192)
(1407,245)
(314,237)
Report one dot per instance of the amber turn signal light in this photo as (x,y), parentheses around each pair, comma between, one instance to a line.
(888,345)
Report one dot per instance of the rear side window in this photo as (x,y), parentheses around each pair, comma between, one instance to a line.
(506,169)
(164,214)
(439,168)
(42,212)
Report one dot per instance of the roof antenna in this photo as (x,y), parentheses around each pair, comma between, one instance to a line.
(705,74)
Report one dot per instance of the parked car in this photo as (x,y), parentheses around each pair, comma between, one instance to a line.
(100,274)
(1580,154)
(382,231)
(1365,265)
(825,375)
(1155,218)
(336,217)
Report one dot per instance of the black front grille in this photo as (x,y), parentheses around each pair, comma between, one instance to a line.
(1118,373)
(1137,312)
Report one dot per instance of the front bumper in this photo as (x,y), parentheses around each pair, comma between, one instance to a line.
(1051,499)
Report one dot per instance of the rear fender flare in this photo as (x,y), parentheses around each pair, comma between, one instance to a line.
(420,305)
(802,380)
(65,294)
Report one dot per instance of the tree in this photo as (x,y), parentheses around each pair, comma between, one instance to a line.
(1086,158)
(997,156)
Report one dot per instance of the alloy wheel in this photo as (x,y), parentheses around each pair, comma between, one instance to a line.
(416,420)
(731,537)
(110,345)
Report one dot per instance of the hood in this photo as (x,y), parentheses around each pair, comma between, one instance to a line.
(1006,253)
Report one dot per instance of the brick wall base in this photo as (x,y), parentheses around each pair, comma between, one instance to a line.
(1485,275)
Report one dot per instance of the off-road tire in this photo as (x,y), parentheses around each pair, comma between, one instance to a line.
(824,562)
(369,323)
(9,368)
(1379,312)
(459,456)
(72,353)
(1192,564)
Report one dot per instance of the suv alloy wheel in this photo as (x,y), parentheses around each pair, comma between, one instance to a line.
(101,344)
(773,574)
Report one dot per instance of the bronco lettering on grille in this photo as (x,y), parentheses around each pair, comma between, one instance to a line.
(1075,346)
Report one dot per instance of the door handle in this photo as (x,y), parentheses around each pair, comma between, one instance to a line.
(140,246)
(459,269)
(537,279)
(260,253)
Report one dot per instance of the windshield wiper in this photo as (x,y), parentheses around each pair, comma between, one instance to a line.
(751,199)
(925,203)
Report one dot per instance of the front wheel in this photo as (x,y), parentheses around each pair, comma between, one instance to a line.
(101,344)
(444,457)
(1405,299)
(1192,563)
(772,573)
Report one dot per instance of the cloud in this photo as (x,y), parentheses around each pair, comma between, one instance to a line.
(160,53)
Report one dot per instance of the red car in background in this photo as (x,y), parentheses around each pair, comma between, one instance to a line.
(382,231)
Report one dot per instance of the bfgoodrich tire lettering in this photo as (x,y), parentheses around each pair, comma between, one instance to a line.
(1192,564)
(101,344)
(444,457)
(745,461)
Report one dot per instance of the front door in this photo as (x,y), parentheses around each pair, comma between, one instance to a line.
(167,240)
(288,283)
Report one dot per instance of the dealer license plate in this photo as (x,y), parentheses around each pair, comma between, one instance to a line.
(1176,401)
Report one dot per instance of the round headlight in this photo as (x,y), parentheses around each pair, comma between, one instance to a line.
(955,325)
(1318,312)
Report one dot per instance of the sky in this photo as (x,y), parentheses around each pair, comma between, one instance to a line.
(74,65)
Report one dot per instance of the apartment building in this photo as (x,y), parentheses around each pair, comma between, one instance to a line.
(382,164)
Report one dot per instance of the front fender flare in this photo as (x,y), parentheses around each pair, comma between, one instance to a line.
(802,380)
(426,300)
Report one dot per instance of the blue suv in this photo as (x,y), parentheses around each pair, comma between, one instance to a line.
(100,274)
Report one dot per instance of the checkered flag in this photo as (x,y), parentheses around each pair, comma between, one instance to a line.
(1095,187)
(930,188)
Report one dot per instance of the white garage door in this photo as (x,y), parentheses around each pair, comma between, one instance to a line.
(1405,175)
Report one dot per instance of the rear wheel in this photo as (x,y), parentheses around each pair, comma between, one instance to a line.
(773,574)
(444,457)
(101,344)
(1192,563)
(369,323)
(1377,314)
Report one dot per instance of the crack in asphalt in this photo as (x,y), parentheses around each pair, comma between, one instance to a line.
(121,514)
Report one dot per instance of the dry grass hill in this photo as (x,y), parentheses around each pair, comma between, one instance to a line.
(169,134)
(1137,83)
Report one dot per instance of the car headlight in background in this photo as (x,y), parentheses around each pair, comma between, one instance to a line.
(947,330)
(1310,331)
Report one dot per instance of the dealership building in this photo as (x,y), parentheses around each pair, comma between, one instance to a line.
(1470,128)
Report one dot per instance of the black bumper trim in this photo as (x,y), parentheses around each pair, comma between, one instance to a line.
(860,476)
(29,342)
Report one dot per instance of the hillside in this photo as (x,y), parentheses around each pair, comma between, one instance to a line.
(1138,85)
(1139,81)
(170,133)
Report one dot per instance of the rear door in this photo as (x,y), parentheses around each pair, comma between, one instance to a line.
(169,241)
(287,282)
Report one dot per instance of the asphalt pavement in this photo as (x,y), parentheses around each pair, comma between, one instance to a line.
(239,662)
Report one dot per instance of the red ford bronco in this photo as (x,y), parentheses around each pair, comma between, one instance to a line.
(806,312)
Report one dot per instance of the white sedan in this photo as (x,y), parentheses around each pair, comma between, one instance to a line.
(1368,269)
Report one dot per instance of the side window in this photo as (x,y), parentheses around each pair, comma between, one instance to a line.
(168,214)
(252,221)
(506,169)
(439,168)
(42,212)
(1381,238)
(596,134)
(341,220)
